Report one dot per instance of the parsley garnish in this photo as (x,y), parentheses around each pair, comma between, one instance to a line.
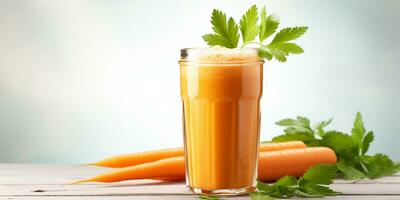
(314,183)
(248,25)
(226,33)
(209,197)
(351,149)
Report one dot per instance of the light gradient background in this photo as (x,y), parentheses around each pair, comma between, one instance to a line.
(82,80)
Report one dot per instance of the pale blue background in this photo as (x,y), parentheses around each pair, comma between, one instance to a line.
(81,80)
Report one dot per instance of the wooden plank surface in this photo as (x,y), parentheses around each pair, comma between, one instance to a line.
(36,181)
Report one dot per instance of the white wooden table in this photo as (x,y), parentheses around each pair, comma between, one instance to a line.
(38,181)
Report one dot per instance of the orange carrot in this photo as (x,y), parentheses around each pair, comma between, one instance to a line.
(170,179)
(294,162)
(150,156)
(167,167)
(274,146)
(139,158)
(271,166)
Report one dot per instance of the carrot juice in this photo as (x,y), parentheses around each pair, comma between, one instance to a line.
(221,91)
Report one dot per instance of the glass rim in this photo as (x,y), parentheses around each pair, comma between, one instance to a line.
(219,56)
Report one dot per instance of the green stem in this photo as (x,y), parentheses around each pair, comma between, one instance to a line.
(246,43)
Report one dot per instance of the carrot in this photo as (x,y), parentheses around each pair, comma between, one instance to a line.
(144,157)
(139,158)
(294,162)
(271,166)
(170,178)
(167,167)
(274,146)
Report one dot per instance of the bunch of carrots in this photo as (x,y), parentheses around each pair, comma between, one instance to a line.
(275,161)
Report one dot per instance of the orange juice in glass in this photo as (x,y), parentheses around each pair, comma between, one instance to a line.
(221,91)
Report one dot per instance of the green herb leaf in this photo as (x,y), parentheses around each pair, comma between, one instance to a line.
(353,163)
(248,25)
(281,51)
(306,195)
(288,48)
(349,171)
(367,141)
(298,125)
(321,174)
(358,131)
(300,121)
(279,47)
(278,54)
(341,143)
(264,52)
(379,165)
(315,180)
(314,183)
(288,34)
(260,196)
(280,189)
(321,125)
(299,129)
(262,186)
(286,181)
(209,197)
(226,33)
(316,190)
(268,25)
(305,137)
(315,143)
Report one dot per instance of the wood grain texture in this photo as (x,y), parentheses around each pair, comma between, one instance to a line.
(37,181)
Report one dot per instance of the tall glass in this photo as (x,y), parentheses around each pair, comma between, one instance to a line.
(221,91)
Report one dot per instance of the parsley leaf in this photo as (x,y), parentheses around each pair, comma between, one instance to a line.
(288,34)
(260,196)
(264,52)
(321,125)
(300,129)
(358,131)
(278,54)
(209,197)
(367,141)
(305,137)
(315,190)
(299,121)
(268,25)
(341,143)
(226,33)
(349,171)
(379,165)
(288,48)
(279,47)
(315,180)
(298,125)
(351,149)
(321,174)
(314,183)
(248,25)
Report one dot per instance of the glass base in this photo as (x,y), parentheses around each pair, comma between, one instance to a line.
(224,192)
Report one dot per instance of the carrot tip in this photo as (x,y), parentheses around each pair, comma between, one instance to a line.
(80,181)
(87,164)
